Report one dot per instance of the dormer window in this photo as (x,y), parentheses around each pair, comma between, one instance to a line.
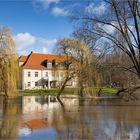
(49,65)
(46,74)
(45,63)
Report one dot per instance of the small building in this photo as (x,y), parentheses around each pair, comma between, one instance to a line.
(43,71)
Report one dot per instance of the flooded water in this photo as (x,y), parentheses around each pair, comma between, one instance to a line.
(43,118)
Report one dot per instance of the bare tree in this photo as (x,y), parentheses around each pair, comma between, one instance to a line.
(123,17)
(123,20)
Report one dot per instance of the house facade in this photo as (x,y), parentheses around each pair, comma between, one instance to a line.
(42,71)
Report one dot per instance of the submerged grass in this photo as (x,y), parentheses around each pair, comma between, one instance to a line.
(67,91)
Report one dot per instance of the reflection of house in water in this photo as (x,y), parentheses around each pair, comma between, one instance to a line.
(35,124)
(39,104)
(34,107)
(29,126)
(38,112)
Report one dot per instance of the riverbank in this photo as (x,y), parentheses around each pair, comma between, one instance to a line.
(68,91)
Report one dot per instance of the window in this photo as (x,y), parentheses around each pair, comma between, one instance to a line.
(61,74)
(49,65)
(46,74)
(29,84)
(53,74)
(29,74)
(36,74)
(36,84)
(57,74)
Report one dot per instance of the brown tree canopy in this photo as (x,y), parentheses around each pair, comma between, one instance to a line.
(78,64)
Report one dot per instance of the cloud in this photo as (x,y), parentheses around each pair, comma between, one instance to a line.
(96,9)
(46,3)
(44,50)
(54,10)
(46,45)
(57,11)
(24,40)
(26,43)
(109,29)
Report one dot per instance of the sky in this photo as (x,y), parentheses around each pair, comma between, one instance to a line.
(36,25)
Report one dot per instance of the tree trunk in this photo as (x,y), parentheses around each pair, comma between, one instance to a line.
(121,90)
(62,88)
(81,92)
(130,91)
(99,92)
(61,103)
(6,91)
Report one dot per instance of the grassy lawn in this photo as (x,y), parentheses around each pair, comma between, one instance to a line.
(38,92)
(67,91)
(107,90)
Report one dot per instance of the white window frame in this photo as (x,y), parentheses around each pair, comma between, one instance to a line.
(46,74)
(29,74)
(49,65)
(29,84)
(36,74)
(36,84)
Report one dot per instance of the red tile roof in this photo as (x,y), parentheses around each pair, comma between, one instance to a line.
(35,60)
(22,58)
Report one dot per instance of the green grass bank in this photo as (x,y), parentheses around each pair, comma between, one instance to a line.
(67,91)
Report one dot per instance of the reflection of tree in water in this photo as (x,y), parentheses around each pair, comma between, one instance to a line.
(9,124)
(71,124)
(97,122)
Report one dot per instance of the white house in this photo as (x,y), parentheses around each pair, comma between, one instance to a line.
(42,71)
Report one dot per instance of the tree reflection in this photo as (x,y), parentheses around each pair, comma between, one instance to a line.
(9,123)
(76,119)
(89,121)
(69,122)
(61,103)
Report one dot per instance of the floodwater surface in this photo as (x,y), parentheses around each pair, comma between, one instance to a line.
(43,118)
